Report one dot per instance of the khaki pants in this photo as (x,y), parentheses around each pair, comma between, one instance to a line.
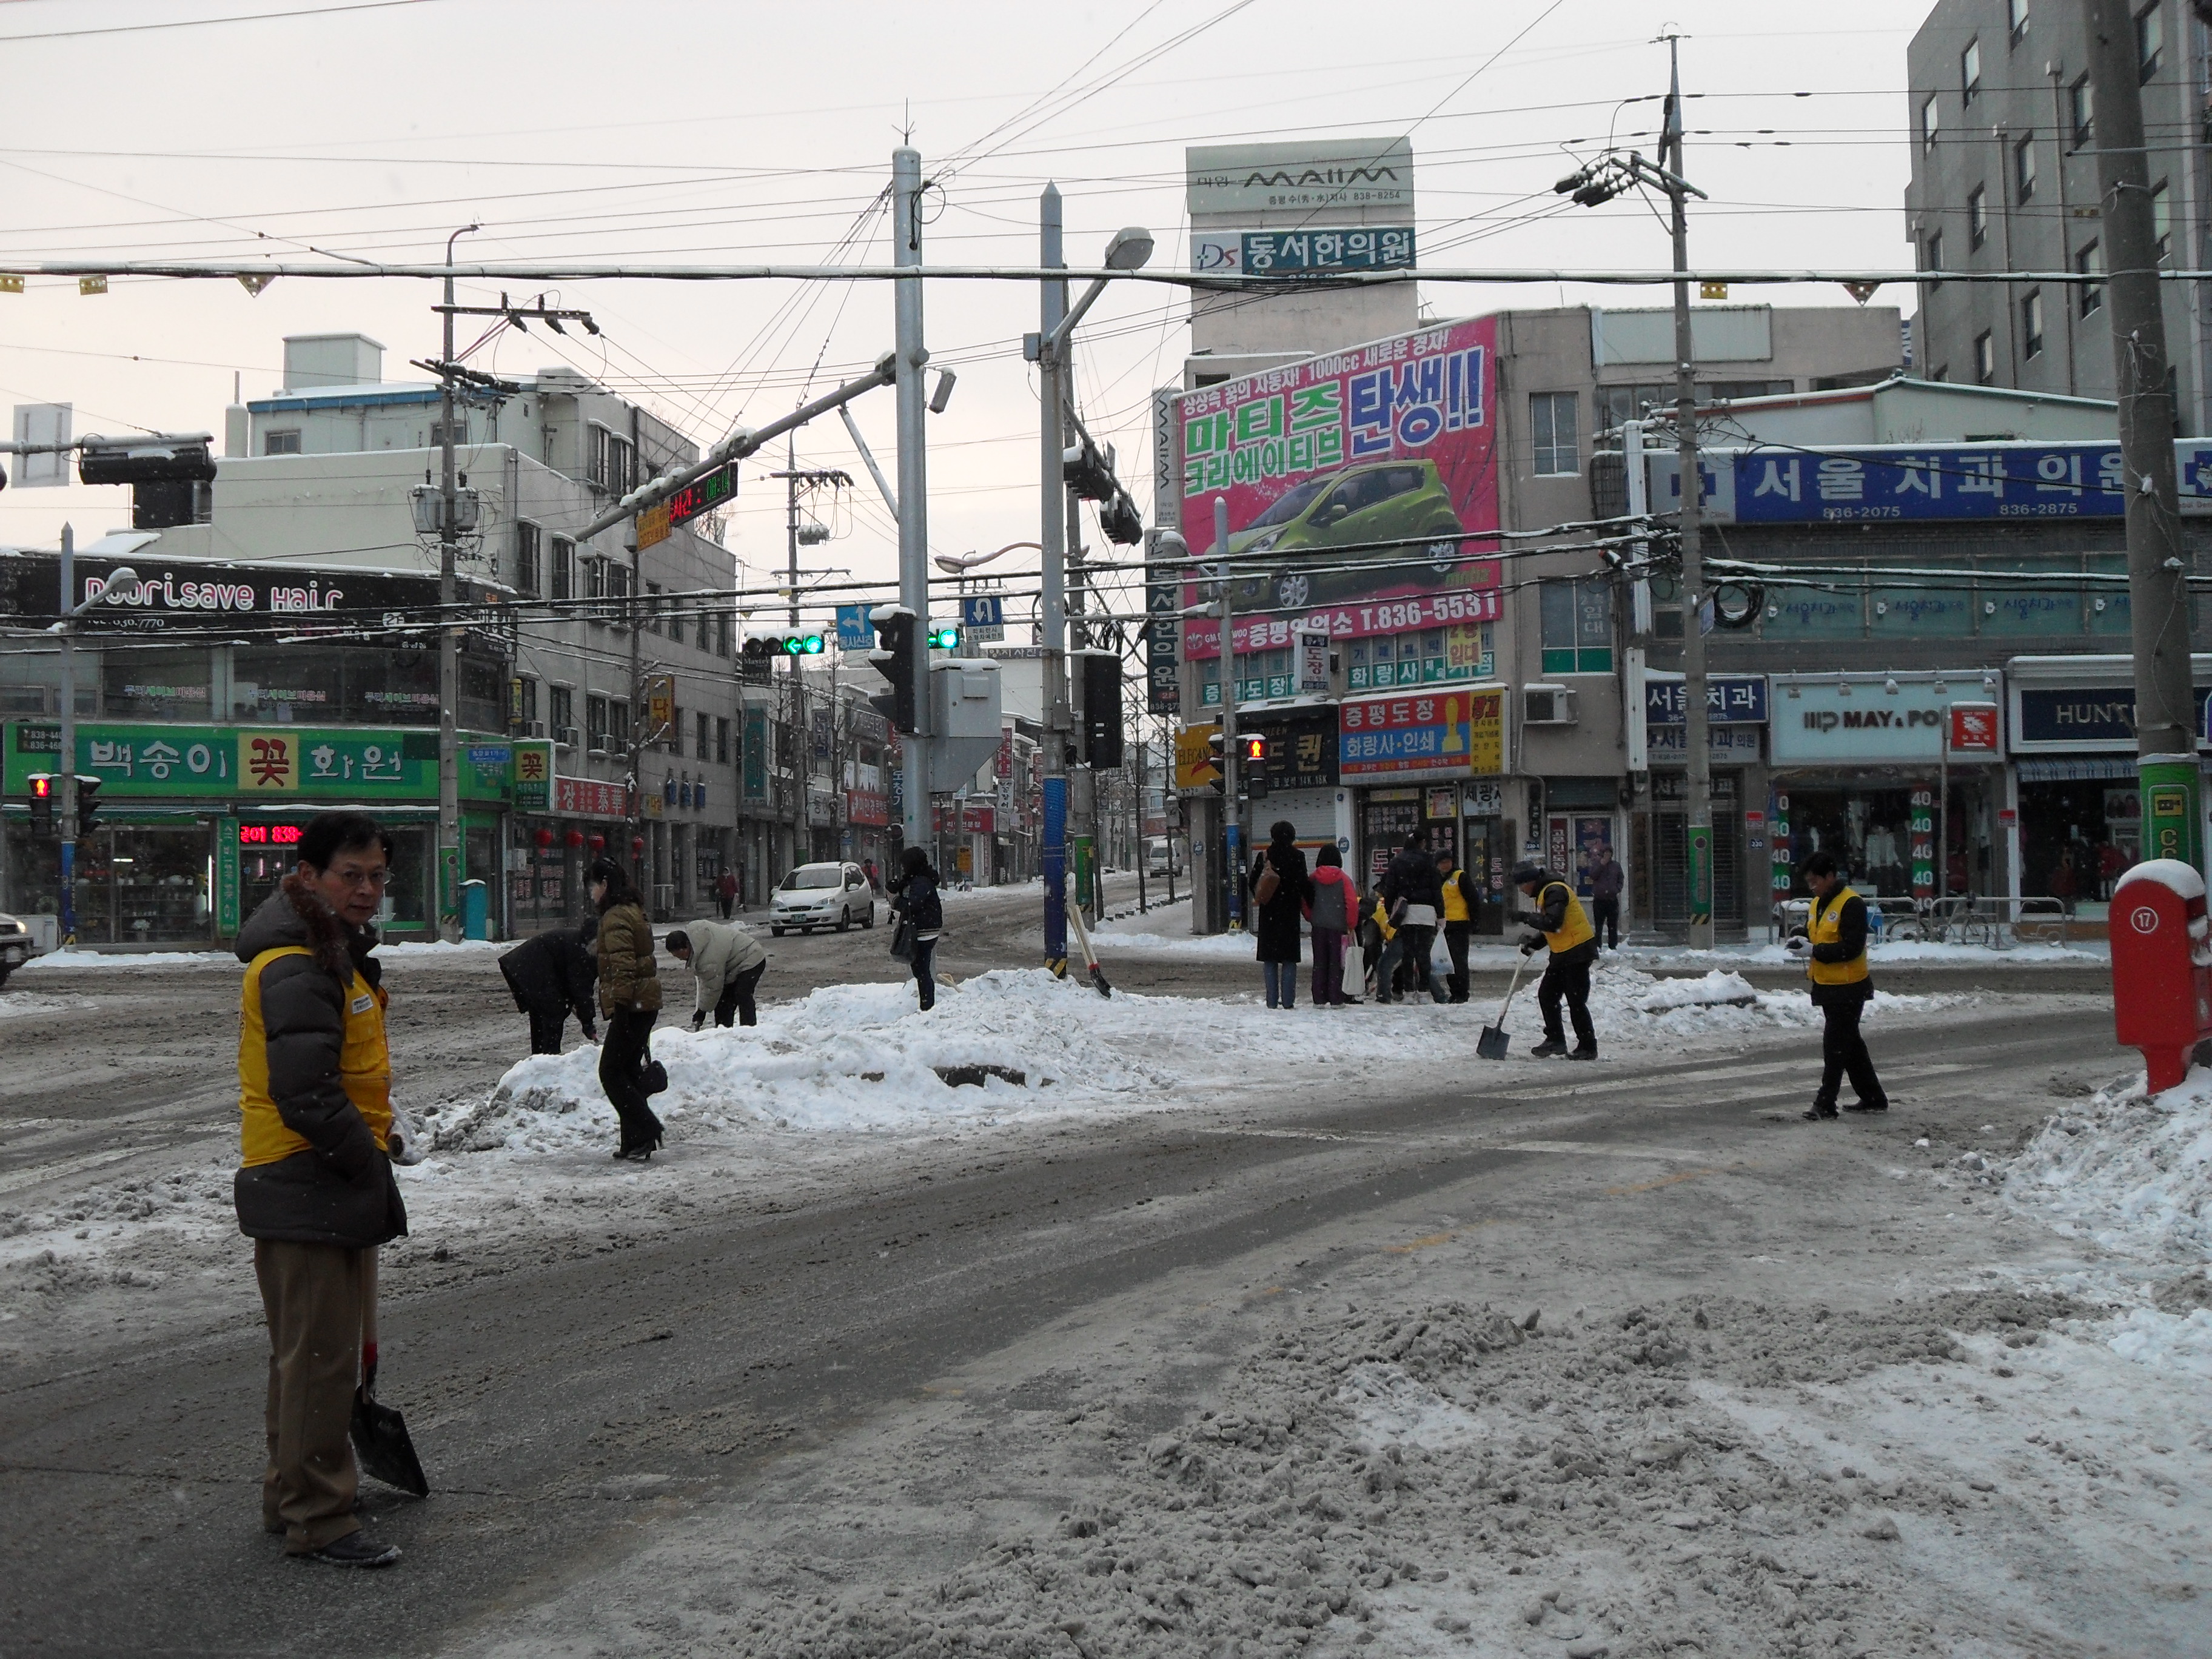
(312,1295)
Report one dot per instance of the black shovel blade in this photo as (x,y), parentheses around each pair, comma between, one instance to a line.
(1099,979)
(1491,1044)
(380,1442)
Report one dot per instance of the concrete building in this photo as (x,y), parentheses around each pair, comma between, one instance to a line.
(2004,177)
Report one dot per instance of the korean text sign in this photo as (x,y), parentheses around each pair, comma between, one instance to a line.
(153,761)
(1371,472)
(1440,734)
(2081,480)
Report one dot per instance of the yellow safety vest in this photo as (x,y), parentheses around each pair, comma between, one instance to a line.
(1574,927)
(1827,928)
(1454,900)
(364,1066)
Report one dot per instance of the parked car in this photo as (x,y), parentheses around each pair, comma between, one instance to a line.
(16,947)
(1378,501)
(821,896)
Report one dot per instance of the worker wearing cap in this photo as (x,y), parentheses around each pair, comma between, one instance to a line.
(1833,949)
(1561,923)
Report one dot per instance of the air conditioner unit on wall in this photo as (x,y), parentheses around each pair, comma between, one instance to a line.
(1547,705)
(537,728)
(567,737)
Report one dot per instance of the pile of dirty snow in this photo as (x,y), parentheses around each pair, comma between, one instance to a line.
(845,1057)
(2131,1171)
(1716,988)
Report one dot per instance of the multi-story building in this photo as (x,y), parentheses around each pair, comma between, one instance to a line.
(1430,494)
(2004,131)
(321,481)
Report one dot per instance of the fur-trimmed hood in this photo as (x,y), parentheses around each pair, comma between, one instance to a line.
(295,913)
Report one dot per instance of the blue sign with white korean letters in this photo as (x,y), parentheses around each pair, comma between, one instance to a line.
(2080,480)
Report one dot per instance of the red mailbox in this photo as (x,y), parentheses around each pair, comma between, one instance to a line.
(2161,966)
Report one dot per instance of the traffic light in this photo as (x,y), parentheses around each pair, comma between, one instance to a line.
(1102,708)
(157,458)
(796,645)
(1216,757)
(1090,469)
(42,804)
(944,638)
(895,657)
(1252,763)
(754,661)
(88,803)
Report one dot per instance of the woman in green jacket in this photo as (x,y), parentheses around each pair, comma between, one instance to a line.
(629,996)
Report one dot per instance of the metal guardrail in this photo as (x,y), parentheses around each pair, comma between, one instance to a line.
(1993,921)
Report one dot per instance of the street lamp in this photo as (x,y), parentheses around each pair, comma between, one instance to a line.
(65,629)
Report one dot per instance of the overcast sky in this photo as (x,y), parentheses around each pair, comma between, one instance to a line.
(708,133)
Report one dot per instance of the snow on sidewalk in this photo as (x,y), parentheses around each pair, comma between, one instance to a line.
(2131,1171)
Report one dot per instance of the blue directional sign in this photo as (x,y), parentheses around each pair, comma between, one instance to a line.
(854,631)
(983,617)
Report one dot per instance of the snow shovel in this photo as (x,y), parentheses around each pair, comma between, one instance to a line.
(1491,1045)
(380,1434)
(1090,955)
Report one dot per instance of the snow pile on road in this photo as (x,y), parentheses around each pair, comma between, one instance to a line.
(845,1057)
(2131,1171)
(1449,1479)
(1716,988)
(16,1003)
(130,961)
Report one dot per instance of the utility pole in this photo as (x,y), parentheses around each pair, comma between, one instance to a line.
(67,610)
(449,639)
(1698,841)
(1052,491)
(802,740)
(911,356)
(2158,565)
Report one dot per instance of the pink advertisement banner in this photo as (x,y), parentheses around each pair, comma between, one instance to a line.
(1371,473)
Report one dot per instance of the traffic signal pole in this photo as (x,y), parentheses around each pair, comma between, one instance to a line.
(1232,818)
(449,660)
(1052,491)
(68,767)
(912,358)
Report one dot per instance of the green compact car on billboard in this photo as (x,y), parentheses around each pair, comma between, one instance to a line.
(1403,501)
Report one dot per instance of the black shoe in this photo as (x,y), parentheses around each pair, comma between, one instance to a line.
(1548,1047)
(1861,1106)
(1584,1051)
(355,1549)
(1819,1113)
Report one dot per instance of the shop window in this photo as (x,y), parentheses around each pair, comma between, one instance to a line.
(1578,627)
(269,683)
(2028,608)
(484,695)
(1916,612)
(2078,836)
(526,558)
(1552,424)
(157,685)
(1464,651)
(391,687)
(1834,612)
(1260,675)
(2105,606)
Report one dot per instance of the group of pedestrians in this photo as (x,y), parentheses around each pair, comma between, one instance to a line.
(1421,895)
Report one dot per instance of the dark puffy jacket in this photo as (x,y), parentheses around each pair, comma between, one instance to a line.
(1275,923)
(1412,879)
(628,977)
(556,970)
(916,900)
(341,1191)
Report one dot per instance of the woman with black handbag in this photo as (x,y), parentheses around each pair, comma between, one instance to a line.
(921,918)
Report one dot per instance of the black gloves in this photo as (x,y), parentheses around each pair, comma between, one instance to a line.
(1531,943)
(698,1019)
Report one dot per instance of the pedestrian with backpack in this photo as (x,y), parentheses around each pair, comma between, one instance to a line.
(1279,887)
(1332,907)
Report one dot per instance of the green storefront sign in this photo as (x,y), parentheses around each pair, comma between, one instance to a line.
(280,763)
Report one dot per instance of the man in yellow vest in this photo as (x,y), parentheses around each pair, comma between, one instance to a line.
(314,1190)
(1561,923)
(1834,951)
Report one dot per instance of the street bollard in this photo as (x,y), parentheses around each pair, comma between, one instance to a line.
(2161,966)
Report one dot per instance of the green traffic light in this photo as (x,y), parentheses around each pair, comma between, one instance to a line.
(811,645)
(944,638)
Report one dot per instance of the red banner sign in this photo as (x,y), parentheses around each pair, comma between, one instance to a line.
(588,798)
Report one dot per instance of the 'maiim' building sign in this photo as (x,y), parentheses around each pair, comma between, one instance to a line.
(1336,175)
